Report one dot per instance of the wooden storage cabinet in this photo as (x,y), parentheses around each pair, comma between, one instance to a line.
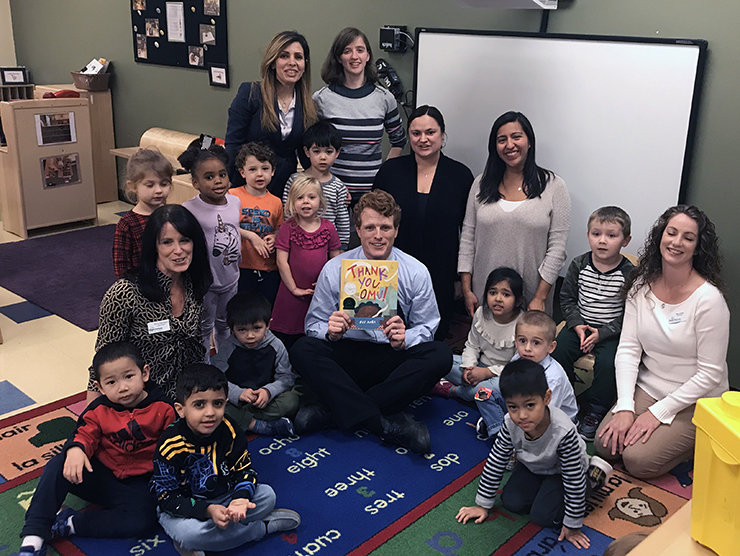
(103,140)
(37,195)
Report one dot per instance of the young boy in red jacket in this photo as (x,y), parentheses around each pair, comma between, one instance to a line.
(108,459)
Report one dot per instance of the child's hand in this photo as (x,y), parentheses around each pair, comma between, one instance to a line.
(476,513)
(220,515)
(263,396)
(248,395)
(575,536)
(74,465)
(587,345)
(299,292)
(238,509)
(269,240)
(474,375)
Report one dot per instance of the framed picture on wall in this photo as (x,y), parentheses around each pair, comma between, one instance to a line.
(14,76)
(218,75)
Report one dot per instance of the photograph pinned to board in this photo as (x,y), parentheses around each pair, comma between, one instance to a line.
(60,170)
(55,129)
(211,7)
(219,75)
(152,27)
(195,56)
(175,22)
(139,4)
(140,46)
(207,34)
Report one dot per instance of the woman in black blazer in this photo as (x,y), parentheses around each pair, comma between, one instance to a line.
(275,110)
(432,191)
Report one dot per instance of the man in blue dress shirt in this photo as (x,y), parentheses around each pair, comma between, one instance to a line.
(367,377)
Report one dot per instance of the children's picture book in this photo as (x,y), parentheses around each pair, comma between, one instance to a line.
(369,292)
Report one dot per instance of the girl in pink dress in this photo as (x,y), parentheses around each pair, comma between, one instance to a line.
(304,243)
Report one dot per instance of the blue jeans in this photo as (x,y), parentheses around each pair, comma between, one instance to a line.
(493,409)
(195,534)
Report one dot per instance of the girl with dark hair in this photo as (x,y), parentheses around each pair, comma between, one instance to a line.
(276,110)
(431,190)
(218,215)
(158,306)
(360,109)
(518,215)
(489,347)
(673,346)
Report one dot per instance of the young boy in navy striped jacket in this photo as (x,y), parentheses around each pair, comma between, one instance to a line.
(550,479)
(593,306)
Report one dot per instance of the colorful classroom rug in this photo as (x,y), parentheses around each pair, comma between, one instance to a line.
(356,497)
(66,274)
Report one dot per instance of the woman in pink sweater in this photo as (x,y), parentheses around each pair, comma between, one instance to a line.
(673,346)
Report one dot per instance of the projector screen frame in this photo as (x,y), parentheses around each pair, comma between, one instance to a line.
(695,103)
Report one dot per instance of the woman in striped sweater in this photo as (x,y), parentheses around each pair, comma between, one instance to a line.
(360,109)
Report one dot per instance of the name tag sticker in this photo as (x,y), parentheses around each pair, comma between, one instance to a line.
(159,326)
(678,317)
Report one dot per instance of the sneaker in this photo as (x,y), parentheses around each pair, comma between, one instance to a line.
(442,389)
(599,472)
(282,520)
(31,551)
(588,426)
(481,428)
(312,417)
(60,528)
(403,430)
(186,552)
(279,427)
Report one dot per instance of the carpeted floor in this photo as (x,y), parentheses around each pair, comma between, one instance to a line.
(356,497)
(66,274)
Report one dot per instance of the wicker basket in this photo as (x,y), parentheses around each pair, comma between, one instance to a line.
(91,82)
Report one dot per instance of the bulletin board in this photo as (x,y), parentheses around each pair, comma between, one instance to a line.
(186,33)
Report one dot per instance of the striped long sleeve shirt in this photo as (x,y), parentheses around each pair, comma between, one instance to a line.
(360,115)
(560,450)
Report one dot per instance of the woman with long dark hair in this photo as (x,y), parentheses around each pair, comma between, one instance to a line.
(360,109)
(158,305)
(518,215)
(276,110)
(673,346)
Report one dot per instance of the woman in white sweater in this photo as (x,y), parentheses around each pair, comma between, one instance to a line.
(518,215)
(673,346)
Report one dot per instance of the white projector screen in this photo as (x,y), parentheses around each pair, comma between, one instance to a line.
(613,116)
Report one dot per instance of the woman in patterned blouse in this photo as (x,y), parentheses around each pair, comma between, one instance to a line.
(158,309)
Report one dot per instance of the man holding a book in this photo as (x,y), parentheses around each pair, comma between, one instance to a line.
(369,348)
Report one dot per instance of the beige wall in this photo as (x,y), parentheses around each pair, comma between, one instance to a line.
(7,47)
(146,96)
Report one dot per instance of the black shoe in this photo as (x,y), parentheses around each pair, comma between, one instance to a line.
(405,431)
(311,418)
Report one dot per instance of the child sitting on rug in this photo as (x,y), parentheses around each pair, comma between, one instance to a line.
(257,367)
(490,346)
(535,340)
(149,177)
(108,459)
(203,479)
(549,482)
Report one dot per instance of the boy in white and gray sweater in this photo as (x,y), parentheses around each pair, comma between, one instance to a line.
(549,481)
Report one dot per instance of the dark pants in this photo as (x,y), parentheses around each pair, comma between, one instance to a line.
(362,380)
(129,509)
(603,391)
(541,496)
(265,283)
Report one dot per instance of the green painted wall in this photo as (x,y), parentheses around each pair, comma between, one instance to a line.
(150,96)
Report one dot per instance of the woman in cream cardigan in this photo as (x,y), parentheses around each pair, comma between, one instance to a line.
(673,346)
